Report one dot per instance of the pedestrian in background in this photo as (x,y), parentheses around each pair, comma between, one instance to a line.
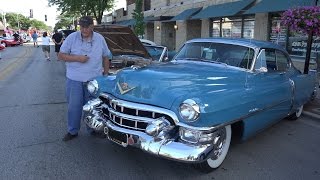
(35,39)
(86,55)
(2,47)
(46,45)
(57,38)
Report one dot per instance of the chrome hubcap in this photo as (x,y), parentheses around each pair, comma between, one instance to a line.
(218,143)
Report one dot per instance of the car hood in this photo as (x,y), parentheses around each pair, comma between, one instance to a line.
(162,84)
(122,41)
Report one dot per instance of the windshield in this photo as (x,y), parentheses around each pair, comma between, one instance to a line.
(233,55)
(155,52)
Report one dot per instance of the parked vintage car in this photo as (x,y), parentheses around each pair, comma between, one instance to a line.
(126,48)
(187,109)
(8,41)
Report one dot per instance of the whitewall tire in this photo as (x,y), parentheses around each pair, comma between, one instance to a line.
(219,153)
(297,114)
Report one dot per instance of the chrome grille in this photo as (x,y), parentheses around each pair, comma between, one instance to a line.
(133,115)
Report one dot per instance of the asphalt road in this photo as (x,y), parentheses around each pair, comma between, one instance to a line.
(33,121)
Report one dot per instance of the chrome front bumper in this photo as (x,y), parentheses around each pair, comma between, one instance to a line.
(162,145)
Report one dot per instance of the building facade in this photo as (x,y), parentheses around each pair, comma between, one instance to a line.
(172,22)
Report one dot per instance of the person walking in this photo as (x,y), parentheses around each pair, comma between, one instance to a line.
(2,47)
(57,38)
(35,39)
(46,45)
(86,55)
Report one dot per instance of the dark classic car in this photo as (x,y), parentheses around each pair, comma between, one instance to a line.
(127,49)
(187,109)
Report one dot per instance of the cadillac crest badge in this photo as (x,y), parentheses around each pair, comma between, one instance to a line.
(124,88)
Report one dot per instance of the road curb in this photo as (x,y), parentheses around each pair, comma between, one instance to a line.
(312,115)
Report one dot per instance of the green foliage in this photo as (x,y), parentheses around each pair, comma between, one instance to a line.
(64,22)
(77,8)
(138,16)
(14,20)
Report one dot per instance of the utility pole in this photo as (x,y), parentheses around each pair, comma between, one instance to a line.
(309,48)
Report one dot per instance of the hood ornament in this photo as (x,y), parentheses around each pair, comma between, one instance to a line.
(124,88)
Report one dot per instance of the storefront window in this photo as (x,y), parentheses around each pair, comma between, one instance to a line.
(216,28)
(248,28)
(278,34)
(296,43)
(232,27)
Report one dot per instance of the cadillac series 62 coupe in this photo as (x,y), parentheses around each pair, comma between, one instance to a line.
(187,109)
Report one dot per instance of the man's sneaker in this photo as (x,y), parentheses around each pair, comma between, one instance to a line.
(69,137)
(98,135)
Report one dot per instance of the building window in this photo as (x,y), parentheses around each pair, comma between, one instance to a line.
(168,3)
(294,42)
(233,27)
(147,5)
(248,28)
(278,33)
(216,28)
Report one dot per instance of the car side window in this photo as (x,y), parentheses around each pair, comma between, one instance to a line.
(282,61)
(271,60)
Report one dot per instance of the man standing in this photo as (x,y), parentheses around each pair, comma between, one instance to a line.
(57,38)
(86,55)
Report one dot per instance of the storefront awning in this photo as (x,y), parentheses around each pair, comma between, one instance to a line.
(157,18)
(277,5)
(186,14)
(223,10)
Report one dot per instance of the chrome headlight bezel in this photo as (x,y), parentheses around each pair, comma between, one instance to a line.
(189,110)
(93,87)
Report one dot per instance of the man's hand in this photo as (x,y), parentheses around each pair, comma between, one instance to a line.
(83,59)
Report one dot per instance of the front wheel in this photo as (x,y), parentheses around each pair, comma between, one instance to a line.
(221,146)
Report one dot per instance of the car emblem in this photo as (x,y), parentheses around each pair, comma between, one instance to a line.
(124,88)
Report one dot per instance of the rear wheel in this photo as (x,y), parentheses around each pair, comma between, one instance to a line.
(297,114)
(219,152)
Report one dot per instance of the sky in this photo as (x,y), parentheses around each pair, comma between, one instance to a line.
(40,9)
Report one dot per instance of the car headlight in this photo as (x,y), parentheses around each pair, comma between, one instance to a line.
(93,87)
(188,135)
(189,110)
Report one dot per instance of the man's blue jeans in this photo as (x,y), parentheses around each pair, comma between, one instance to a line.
(77,95)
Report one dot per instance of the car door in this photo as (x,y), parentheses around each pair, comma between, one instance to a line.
(272,88)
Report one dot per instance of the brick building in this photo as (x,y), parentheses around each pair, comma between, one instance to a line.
(172,22)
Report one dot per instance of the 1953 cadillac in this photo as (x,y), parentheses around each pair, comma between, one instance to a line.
(187,109)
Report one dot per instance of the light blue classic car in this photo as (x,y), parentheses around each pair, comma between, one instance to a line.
(187,109)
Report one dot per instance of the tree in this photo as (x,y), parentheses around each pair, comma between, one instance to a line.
(305,20)
(18,21)
(138,16)
(78,8)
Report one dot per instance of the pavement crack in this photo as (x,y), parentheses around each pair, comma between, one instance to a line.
(40,143)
